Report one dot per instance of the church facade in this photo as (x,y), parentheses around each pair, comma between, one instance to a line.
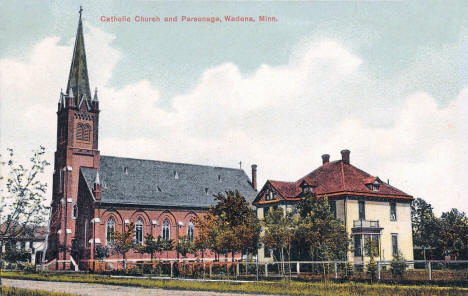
(95,195)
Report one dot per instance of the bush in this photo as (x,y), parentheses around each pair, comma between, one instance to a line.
(371,269)
(347,271)
(29,268)
(398,265)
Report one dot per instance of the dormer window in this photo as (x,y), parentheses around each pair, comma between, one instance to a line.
(176,175)
(206,190)
(126,170)
(375,186)
(307,189)
(219,178)
(373,183)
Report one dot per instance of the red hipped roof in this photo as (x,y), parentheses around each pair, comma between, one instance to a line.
(338,177)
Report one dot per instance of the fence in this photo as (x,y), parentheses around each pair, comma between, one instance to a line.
(417,270)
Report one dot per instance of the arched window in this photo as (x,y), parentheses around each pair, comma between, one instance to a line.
(166,230)
(139,231)
(190,231)
(83,132)
(110,230)
(75,211)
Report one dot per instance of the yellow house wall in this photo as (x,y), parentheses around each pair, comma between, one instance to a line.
(380,211)
(348,211)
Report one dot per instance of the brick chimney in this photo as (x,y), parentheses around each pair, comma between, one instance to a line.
(345,155)
(325,158)
(254,176)
(97,187)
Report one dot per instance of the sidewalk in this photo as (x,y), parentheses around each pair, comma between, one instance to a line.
(105,290)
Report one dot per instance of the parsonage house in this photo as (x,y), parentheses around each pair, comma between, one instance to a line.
(94,195)
(368,207)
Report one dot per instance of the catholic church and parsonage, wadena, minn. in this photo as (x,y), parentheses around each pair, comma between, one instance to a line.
(95,195)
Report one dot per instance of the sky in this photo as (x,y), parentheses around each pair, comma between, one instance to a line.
(387,80)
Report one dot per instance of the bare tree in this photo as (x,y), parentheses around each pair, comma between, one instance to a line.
(22,198)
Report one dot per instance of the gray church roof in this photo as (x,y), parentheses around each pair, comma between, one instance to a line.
(168,184)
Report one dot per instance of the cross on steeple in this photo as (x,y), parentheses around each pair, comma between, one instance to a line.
(240,164)
(80,11)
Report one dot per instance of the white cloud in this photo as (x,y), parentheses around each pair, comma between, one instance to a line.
(282,118)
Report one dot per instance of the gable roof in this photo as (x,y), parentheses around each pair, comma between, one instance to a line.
(337,177)
(159,183)
(286,189)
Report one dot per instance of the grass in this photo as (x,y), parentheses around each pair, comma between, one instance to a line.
(264,287)
(8,291)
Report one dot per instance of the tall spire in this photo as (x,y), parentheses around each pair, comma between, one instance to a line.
(78,82)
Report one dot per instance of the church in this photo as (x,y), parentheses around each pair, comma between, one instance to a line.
(95,195)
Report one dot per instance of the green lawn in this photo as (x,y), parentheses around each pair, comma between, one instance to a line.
(264,287)
(7,291)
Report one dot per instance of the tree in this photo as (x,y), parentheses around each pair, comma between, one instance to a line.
(324,235)
(206,237)
(319,231)
(185,246)
(372,250)
(426,226)
(454,234)
(398,265)
(102,252)
(279,230)
(123,242)
(23,203)
(150,246)
(230,226)
(166,245)
(14,255)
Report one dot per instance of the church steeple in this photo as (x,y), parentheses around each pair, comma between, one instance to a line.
(77,147)
(78,83)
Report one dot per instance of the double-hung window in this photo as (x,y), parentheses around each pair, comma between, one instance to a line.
(362,210)
(393,213)
(394,243)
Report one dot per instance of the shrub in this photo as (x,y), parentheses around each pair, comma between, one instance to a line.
(347,271)
(29,268)
(371,269)
(398,265)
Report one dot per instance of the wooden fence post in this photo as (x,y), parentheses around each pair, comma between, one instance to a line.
(379,268)
(430,271)
(172,269)
(298,268)
(266,269)
(211,268)
(237,269)
(336,270)
(204,266)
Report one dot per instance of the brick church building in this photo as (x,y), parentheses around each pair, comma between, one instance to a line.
(95,195)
